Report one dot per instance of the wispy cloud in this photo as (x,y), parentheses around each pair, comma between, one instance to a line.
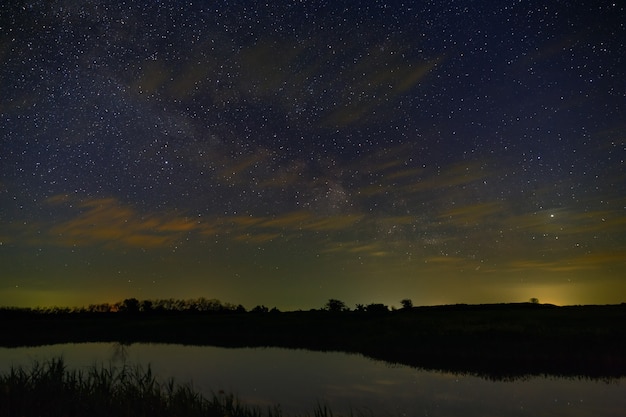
(473,214)
(446,263)
(366,250)
(583,262)
(242,169)
(335,222)
(291,220)
(106,221)
(378,78)
(568,222)
(451,176)
(257,237)
(110,223)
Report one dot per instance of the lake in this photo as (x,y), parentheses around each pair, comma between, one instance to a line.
(299,379)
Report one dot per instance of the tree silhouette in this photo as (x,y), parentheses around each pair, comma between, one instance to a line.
(335,305)
(146,306)
(130,306)
(99,308)
(377,308)
(406,303)
(260,309)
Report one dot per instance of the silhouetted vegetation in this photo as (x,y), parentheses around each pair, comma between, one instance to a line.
(377,308)
(135,306)
(495,341)
(336,306)
(49,389)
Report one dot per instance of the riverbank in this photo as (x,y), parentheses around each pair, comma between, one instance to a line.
(497,341)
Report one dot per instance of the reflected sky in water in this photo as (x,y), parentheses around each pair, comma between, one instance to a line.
(299,379)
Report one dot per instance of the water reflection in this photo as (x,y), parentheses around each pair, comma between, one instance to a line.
(299,379)
(120,352)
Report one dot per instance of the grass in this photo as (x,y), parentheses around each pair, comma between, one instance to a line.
(49,389)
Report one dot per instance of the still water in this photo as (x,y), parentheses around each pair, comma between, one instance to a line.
(298,380)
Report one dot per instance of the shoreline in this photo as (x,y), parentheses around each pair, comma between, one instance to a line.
(492,341)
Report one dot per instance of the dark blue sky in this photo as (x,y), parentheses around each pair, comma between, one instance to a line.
(287,154)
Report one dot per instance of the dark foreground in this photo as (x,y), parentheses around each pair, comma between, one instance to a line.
(50,390)
(494,341)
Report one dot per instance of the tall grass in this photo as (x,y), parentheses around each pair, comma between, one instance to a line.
(48,389)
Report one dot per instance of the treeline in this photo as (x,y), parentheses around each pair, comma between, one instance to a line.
(135,306)
(336,306)
(195,305)
(202,305)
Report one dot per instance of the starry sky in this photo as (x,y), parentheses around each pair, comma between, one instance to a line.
(287,153)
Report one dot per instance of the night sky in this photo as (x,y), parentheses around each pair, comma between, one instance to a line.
(288,153)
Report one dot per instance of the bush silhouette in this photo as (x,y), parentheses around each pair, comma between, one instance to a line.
(130,306)
(335,305)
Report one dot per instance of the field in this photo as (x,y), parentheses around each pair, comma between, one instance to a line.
(499,341)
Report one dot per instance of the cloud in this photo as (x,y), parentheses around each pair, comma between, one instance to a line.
(270,66)
(473,214)
(444,259)
(244,169)
(176,225)
(569,222)
(334,222)
(257,237)
(296,221)
(379,76)
(394,173)
(452,176)
(583,262)
(110,223)
(154,76)
(244,221)
(294,74)
(193,78)
(291,220)
(107,222)
(366,250)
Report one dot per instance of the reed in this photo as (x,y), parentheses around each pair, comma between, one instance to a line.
(49,389)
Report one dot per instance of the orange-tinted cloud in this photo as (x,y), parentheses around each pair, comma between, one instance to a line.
(257,237)
(291,220)
(109,223)
(455,261)
(335,222)
(360,249)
